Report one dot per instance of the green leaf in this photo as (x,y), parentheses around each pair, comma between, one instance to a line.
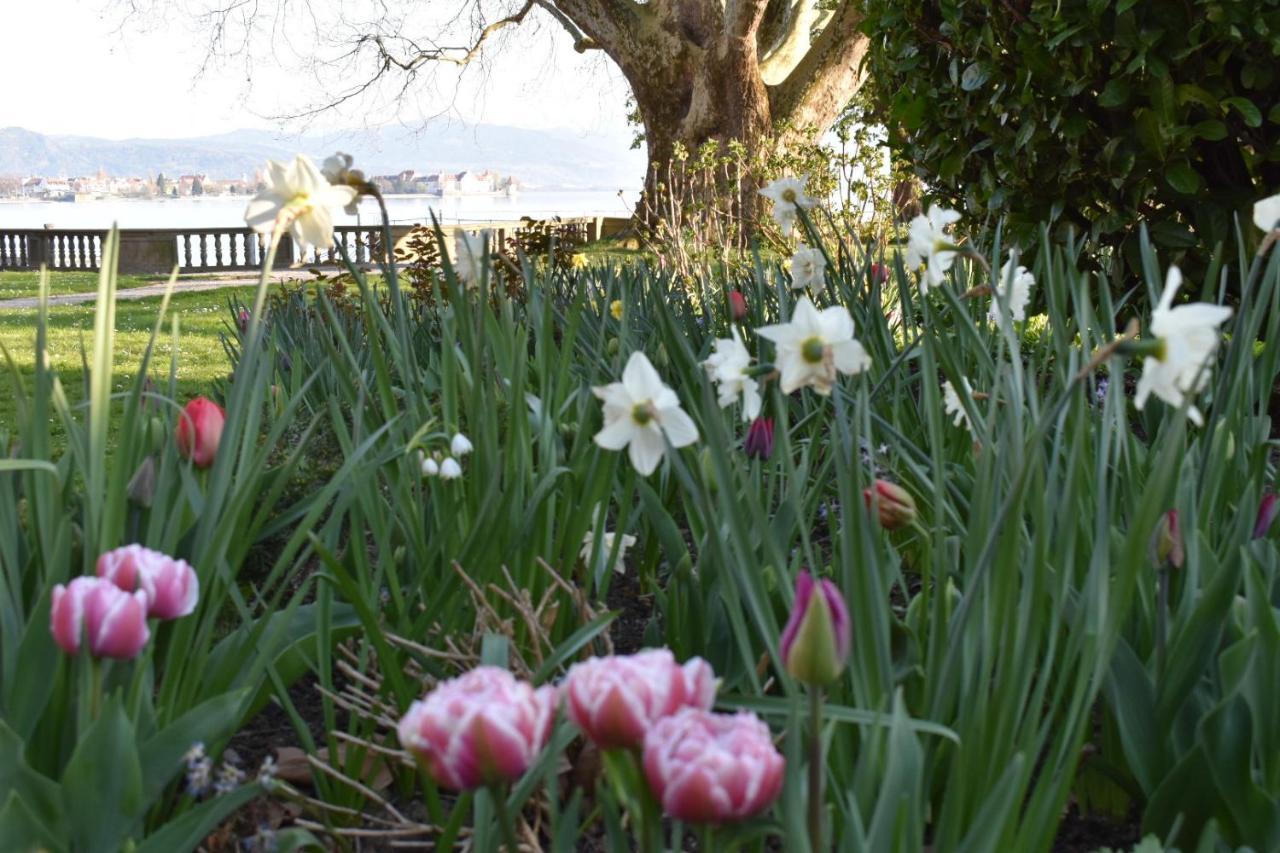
(21,831)
(1124,6)
(973,77)
(1248,110)
(1183,178)
(208,722)
(187,831)
(1227,736)
(1115,93)
(102,783)
(39,793)
(1211,129)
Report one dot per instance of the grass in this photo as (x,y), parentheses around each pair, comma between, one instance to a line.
(203,318)
(21,285)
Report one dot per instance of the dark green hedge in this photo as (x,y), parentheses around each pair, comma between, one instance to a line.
(1091,113)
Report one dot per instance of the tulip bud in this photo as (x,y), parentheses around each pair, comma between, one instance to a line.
(200,430)
(707,466)
(1267,511)
(111,622)
(737,306)
(879,273)
(612,346)
(759,441)
(815,642)
(142,486)
(242,321)
(893,504)
(1166,541)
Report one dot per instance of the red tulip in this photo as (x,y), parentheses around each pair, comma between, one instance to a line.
(200,430)
(737,306)
(615,700)
(171,586)
(893,504)
(479,729)
(712,768)
(1267,511)
(1166,541)
(111,622)
(879,273)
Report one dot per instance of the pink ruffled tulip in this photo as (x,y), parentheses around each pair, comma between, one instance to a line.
(479,729)
(815,642)
(712,768)
(171,586)
(615,700)
(112,622)
(894,505)
(200,430)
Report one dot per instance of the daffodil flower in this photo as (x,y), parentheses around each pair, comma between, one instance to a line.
(1186,337)
(929,243)
(638,411)
(808,268)
(952,405)
(815,346)
(1014,285)
(728,366)
(787,194)
(607,543)
(1266,213)
(469,256)
(299,197)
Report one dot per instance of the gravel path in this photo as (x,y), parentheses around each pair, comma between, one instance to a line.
(183,285)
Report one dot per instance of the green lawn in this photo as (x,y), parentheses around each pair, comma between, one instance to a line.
(202,318)
(19,285)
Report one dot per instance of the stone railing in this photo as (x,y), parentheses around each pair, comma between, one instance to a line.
(157,251)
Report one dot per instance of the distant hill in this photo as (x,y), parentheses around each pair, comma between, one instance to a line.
(560,159)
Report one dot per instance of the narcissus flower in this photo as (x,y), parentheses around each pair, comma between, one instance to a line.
(929,243)
(759,441)
(712,768)
(1187,338)
(606,548)
(111,623)
(199,431)
(479,729)
(299,197)
(893,504)
(815,346)
(815,642)
(787,195)
(728,367)
(808,268)
(615,700)
(1014,285)
(469,256)
(337,170)
(171,586)
(638,411)
(952,405)
(1266,213)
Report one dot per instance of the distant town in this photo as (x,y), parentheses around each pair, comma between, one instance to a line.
(104,186)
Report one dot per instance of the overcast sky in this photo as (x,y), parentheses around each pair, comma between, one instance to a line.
(68,69)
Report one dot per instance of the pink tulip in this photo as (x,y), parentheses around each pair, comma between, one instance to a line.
(200,430)
(737,306)
(759,441)
(171,586)
(111,621)
(712,768)
(894,505)
(479,729)
(879,273)
(242,320)
(615,700)
(1267,511)
(815,642)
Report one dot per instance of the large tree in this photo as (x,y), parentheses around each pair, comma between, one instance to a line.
(699,70)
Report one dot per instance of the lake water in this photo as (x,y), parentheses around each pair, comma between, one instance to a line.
(228,211)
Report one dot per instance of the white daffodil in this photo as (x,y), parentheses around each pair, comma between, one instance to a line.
(337,170)
(808,268)
(727,367)
(469,255)
(815,346)
(787,194)
(929,243)
(301,198)
(637,411)
(952,406)
(1014,286)
(1266,213)
(460,445)
(606,546)
(450,469)
(1188,337)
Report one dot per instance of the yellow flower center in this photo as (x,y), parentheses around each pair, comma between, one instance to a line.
(813,350)
(644,412)
(789,195)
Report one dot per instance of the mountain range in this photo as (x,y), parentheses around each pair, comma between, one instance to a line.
(560,159)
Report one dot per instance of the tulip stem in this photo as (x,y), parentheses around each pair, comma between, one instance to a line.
(1162,619)
(505,823)
(815,769)
(95,688)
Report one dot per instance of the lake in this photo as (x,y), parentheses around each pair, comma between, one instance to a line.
(228,211)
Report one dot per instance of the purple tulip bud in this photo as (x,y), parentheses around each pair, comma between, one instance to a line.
(1267,511)
(815,642)
(759,441)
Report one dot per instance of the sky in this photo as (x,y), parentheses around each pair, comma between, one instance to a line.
(73,68)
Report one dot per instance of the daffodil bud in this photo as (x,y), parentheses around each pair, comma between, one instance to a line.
(815,642)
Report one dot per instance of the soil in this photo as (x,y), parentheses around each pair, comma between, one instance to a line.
(626,595)
(1086,833)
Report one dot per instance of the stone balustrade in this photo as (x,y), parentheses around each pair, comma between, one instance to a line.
(157,251)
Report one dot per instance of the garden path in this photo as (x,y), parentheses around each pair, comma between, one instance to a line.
(184,284)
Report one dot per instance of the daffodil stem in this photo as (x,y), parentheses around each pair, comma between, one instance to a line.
(815,769)
(505,824)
